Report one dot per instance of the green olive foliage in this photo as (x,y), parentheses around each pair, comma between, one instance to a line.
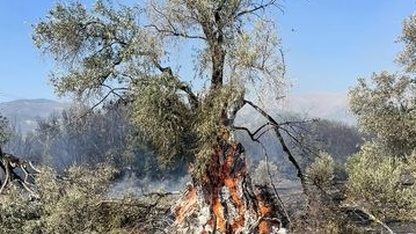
(377,182)
(407,56)
(381,174)
(321,171)
(324,215)
(265,172)
(77,202)
(386,108)
(64,205)
(386,105)
(146,55)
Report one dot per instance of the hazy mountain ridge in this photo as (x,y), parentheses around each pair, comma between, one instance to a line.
(24,113)
(325,105)
(333,106)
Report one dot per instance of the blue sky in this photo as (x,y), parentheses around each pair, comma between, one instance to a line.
(335,42)
(328,44)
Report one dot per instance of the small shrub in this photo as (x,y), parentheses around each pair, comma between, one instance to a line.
(264,172)
(76,203)
(321,171)
(375,183)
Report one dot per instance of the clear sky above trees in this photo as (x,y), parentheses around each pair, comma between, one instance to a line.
(328,44)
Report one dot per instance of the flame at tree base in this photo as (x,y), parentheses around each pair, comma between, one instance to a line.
(224,199)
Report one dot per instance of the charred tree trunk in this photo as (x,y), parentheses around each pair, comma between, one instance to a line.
(224,199)
(9,165)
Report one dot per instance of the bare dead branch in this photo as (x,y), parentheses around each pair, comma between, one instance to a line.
(284,146)
(6,180)
(371,216)
(253,135)
(256,8)
(113,91)
(282,56)
(96,104)
(304,146)
(279,199)
(8,163)
(266,156)
(279,137)
(172,31)
(175,33)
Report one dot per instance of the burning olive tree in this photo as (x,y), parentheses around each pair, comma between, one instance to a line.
(146,55)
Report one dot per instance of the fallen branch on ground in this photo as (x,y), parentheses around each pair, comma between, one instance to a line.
(9,164)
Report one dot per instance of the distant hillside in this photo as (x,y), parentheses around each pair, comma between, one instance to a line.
(25,112)
(325,105)
(331,106)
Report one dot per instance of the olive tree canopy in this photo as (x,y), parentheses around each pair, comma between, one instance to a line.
(386,106)
(148,54)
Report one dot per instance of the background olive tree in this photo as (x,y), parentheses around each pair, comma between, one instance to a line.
(381,174)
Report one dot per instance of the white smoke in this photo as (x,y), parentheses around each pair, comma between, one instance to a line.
(138,187)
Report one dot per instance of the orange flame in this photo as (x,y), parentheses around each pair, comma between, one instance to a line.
(222,174)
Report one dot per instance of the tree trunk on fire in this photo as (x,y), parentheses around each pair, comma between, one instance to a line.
(224,199)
